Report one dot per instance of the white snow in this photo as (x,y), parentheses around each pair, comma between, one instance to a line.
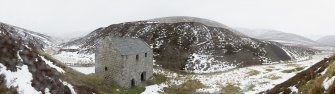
(47,91)
(18,56)
(72,58)
(52,65)
(72,47)
(208,90)
(205,64)
(328,82)
(70,86)
(266,79)
(154,89)
(21,79)
(324,71)
(85,70)
(294,89)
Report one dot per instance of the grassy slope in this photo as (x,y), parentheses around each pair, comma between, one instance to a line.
(309,81)
(85,84)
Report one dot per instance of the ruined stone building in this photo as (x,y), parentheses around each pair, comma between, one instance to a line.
(126,61)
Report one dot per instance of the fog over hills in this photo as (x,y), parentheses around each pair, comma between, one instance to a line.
(278,36)
(327,40)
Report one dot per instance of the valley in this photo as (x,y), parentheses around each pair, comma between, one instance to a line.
(191,55)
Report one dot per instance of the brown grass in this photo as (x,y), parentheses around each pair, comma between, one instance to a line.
(3,87)
(159,78)
(231,89)
(253,72)
(308,81)
(293,70)
(269,70)
(84,84)
(188,87)
(273,77)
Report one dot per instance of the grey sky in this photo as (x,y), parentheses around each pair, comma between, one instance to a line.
(310,18)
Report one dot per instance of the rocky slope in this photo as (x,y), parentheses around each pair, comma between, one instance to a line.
(26,69)
(23,68)
(193,45)
(327,40)
(318,79)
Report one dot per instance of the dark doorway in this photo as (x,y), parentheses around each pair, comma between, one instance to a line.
(133,83)
(137,58)
(143,76)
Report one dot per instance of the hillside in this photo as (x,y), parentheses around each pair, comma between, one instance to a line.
(192,45)
(39,40)
(278,36)
(318,79)
(178,19)
(25,69)
(327,40)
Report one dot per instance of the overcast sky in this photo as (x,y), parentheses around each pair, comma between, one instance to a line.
(310,18)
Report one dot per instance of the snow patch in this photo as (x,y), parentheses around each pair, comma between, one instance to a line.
(72,58)
(70,86)
(324,71)
(206,64)
(21,79)
(154,89)
(72,47)
(208,90)
(18,56)
(328,82)
(47,91)
(85,70)
(293,89)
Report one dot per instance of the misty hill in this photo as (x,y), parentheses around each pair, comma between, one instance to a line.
(278,36)
(327,40)
(192,45)
(40,41)
(177,19)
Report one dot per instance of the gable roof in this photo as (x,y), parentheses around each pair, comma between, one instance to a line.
(128,46)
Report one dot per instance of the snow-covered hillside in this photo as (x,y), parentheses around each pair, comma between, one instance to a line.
(25,70)
(178,19)
(191,45)
(247,80)
(318,79)
(40,41)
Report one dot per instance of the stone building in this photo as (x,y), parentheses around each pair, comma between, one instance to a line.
(126,61)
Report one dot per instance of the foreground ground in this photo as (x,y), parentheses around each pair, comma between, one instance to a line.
(253,79)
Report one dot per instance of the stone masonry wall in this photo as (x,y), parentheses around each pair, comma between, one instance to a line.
(114,67)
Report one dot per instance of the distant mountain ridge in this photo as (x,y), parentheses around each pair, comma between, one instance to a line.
(193,45)
(327,40)
(178,19)
(39,40)
(278,36)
